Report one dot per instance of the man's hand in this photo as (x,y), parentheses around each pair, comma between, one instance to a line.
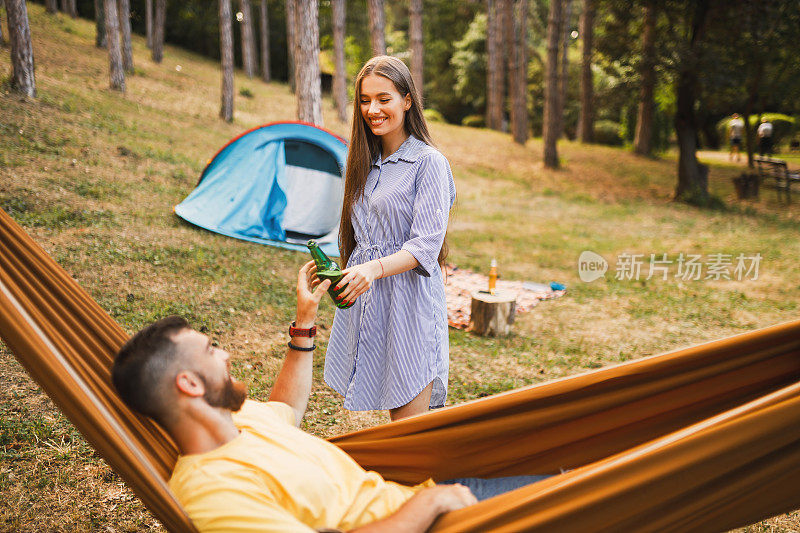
(446,498)
(309,293)
(419,512)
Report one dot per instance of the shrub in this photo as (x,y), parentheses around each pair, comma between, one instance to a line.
(247,93)
(431,115)
(474,121)
(608,132)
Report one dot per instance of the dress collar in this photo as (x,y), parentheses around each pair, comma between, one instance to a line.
(408,151)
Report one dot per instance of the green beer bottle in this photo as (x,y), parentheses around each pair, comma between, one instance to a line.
(328,269)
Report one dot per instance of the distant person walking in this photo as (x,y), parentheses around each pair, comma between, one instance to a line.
(736,129)
(390,349)
(765,138)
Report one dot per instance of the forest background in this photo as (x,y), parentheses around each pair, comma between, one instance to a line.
(750,54)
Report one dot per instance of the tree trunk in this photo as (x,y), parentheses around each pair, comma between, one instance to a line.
(563,79)
(100,24)
(309,90)
(248,46)
(158,30)
(551,92)
(52,6)
(586,118)
(340,71)
(148,22)
(415,38)
(492,315)
(519,80)
(125,30)
(752,95)
(226,59)
(116,71)
(290,41)
(507,25)
(494,67)
(69,7)
(692,176)
(642,143)
(264,42)
(377,25)
(2,38)
(23,79)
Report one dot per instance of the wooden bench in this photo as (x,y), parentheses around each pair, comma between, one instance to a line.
(774,173)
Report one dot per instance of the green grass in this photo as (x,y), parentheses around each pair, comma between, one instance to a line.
(93,176)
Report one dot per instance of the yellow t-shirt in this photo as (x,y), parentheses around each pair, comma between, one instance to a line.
(275,477)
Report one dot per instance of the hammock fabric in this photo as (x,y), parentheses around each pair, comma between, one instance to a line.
(701,439)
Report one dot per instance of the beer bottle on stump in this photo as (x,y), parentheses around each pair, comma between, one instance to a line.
(328,269)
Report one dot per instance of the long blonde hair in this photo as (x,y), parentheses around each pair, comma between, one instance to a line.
(365,146)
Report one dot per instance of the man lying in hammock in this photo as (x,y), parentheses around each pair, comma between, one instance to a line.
(244,465)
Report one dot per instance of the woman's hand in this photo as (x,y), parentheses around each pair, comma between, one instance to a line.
(358,279)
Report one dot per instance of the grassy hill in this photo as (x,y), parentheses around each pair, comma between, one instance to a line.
(93,174)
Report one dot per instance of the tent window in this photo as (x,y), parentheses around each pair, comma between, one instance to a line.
(307,155)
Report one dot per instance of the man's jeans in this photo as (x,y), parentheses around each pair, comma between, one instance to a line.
(484,488)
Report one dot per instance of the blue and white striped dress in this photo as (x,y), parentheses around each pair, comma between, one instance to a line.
(393,341)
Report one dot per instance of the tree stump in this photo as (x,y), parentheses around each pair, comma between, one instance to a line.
(492,314)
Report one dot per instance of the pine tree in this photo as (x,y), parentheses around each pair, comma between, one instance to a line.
(586,117)
(100,24)
(158,30)
(116,71)
(125,30)
(377,27)
(226,59)
(563,79)
(148,22)
(290,41)
(642,143)
(552,109)
(494,67)
(340,71)
(307,76)
(248,46)
(265,70)
(519,77)
(23,79)
(416,42)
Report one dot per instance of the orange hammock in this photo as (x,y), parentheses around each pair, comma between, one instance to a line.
(701,439)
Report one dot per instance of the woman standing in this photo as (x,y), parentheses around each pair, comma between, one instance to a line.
(390,349)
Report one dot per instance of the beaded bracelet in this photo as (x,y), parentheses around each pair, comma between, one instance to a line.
(301,349)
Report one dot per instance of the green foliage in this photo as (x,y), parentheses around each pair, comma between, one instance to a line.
(469,64)
(608,132)
(474,121)
(431,115)
(246,92)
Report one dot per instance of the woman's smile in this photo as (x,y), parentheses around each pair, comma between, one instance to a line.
(383,108)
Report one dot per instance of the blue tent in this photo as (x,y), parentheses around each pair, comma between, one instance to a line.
(279,184)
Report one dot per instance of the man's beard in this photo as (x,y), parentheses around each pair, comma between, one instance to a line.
(230,396)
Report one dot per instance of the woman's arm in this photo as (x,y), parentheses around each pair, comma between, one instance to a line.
(359,278)
(420,252)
